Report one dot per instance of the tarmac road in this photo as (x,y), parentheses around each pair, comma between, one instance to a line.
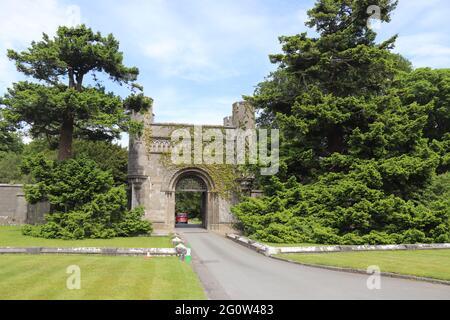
(231,271)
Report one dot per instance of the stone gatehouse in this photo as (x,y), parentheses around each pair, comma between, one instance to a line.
(154,180)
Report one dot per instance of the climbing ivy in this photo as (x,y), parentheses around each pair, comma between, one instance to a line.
(224,176)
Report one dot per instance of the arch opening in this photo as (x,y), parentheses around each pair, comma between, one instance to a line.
(191,205)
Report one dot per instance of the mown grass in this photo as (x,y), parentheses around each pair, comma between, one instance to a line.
(195,221)
(44,278)
(11,236)
(422,263)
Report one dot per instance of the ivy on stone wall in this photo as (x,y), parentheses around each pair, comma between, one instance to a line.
(224,176)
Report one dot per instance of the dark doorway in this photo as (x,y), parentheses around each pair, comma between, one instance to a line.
(190,202)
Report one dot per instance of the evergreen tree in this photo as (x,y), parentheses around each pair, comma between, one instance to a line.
(60,105)
(355,130)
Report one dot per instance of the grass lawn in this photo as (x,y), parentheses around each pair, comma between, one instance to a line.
(12,237)
(423,263)
(44,278)
(195,221)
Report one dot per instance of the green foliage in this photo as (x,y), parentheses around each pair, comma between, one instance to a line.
(76,51)
(190,203)
(10,162)
(363,133)
(9,142)
(84,202)
(344,59)
(430,88)
(9,168)
(108,156)
(60,106)
(44,147)
(344,209)
(132,223)
(99,115)
(224,175)
(11,148)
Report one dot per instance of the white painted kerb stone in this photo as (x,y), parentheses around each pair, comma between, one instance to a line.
(269,250)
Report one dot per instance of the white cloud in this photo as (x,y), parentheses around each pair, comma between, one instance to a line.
(198,56)
(8,72)
(171,105)
(190,58)
(205,40)
(423,32)
(425,49)
(302,16)
(24,21)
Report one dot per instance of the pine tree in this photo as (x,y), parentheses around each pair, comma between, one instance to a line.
(59,104)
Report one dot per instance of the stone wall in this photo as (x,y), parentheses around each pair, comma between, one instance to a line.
(14,209)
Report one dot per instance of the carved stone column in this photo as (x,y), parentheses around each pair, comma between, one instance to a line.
(137,197)
(138,160)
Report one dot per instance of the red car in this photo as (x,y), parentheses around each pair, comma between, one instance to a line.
(181,218)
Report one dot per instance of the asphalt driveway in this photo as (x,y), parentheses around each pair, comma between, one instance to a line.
(231,271)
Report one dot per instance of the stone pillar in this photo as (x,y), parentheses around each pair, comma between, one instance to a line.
(137,159)
(170,219)
(137,197)
(212,206)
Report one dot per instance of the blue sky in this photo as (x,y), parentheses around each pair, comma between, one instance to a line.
(197,57)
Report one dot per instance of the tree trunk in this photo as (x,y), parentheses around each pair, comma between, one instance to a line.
(66,138)
(335,141)
(67,125)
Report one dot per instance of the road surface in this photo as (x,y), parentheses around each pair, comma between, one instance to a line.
(231,271)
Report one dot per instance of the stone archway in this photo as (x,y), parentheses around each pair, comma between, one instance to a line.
(195,180)
(153,177)
(190,198)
